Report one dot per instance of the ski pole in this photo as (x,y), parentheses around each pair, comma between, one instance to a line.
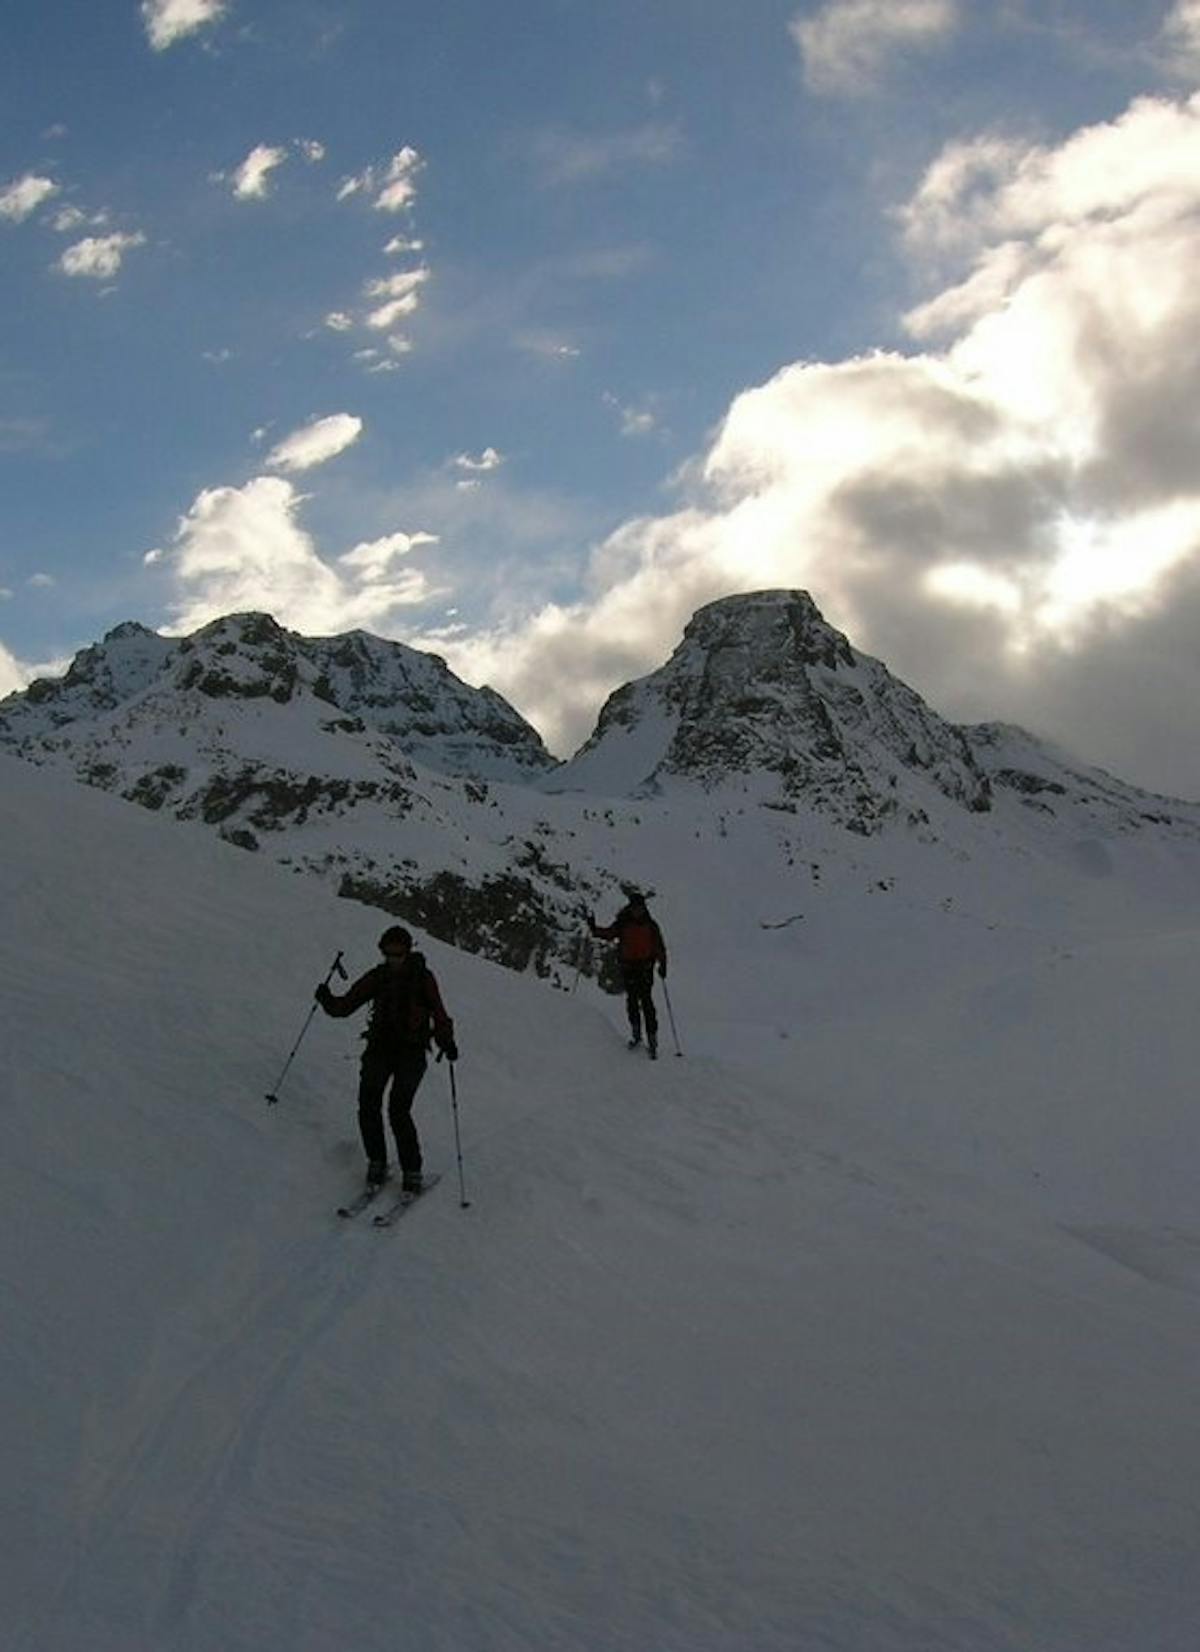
(334,969)
(463,1202)
(671,1016)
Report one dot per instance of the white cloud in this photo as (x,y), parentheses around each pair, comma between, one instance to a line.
(68,219)
(848,45)
(401,295)
(311,149)
(13,675)
(251,181)
(372,562)
(240,549)
(399,245)
(23,196)
(170,20)
(1010,516)
(394,185)
(316,443)
(98,258)
(489,459)
(339,322)
(399,188)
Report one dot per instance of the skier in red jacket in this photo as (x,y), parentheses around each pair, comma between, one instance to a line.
(640,946)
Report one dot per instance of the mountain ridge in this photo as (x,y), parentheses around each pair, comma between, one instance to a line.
(369,765)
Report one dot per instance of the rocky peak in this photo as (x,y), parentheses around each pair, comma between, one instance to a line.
(98,679)
(763,691)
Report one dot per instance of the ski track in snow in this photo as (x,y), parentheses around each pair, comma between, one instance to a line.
(232,1391)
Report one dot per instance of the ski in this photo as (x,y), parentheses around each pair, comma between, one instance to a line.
(403,1202)
(358,1205)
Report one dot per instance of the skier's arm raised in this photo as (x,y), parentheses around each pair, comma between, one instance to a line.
(343,1004)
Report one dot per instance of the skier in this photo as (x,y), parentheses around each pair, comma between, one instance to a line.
(406,1011)
(639,947)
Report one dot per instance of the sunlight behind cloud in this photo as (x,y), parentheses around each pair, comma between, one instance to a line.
(240,549)
(13,677)
(976,513)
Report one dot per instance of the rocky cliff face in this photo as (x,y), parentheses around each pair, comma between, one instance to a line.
(763,691)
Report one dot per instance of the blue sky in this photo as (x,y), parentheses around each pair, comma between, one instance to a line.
(517,332)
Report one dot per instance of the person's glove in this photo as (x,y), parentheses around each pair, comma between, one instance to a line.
(450,1050)
(323,995)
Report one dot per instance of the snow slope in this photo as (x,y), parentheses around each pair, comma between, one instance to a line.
(869,1326)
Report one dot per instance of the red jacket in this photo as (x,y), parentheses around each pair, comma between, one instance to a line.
(639,939)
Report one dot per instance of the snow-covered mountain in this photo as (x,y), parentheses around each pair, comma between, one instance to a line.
(763,693)
(132,684)
(766,736)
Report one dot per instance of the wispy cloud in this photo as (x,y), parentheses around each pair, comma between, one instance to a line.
(98,258)
(372,562)
(24,435)
(562,157)
(316,443)
(22,197)
(849,44)
(167,21)
(1180,38)
(488,460)
(393,185)
(400,295)
(546,345)
(634,421)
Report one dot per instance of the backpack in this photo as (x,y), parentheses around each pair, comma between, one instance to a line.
(639,940)
(399,1006)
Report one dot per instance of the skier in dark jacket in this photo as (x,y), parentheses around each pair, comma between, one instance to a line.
(406,1012)
(640,946)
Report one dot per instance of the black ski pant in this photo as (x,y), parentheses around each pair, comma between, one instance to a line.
(404,1066)
(639,999)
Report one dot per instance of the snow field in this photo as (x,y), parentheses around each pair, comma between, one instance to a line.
(831,1335)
